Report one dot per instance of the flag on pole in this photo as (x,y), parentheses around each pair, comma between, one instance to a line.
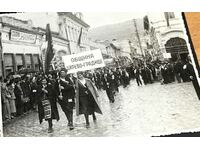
(146,23)
(1,56)
(49,52)
(79,38)
(167,18)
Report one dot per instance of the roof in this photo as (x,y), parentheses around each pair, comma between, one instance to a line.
(18,24)
(29,28)
(33,31)
(73,17)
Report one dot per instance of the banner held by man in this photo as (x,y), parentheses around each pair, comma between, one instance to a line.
(83,61)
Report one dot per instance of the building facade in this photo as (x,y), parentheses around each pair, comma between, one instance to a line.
(167,32)
(1,58)
(22,45)
(75,30)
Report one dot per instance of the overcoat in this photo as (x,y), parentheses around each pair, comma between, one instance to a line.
(94,93)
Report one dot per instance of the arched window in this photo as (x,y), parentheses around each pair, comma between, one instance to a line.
(176,45)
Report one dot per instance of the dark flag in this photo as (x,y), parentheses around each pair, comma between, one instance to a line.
(40,63)
(49,52)
(167,18)
(1,56)
(79,38)
(146,23)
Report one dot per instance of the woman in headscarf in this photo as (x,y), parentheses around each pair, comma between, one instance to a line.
(11,87)
(47,107)
(86,98)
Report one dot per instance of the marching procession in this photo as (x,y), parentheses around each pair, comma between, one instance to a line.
(64,82)
(41,92)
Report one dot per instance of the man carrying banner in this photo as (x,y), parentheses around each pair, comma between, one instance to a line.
(66,93)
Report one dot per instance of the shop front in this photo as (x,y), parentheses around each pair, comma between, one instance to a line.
(19,55)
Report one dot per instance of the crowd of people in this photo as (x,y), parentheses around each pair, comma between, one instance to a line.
(41,92)
(164,72)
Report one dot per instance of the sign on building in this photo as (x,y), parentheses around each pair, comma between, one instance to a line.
(83,61)
(22,37)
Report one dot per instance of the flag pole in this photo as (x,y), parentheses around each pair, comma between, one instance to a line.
(1,56)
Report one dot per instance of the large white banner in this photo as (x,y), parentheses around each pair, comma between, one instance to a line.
(83,61)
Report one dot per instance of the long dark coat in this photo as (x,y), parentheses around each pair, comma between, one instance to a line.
(190,72)
(52,99)
(68,92)
(94,94)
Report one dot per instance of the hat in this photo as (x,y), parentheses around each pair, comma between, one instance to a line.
(63,69)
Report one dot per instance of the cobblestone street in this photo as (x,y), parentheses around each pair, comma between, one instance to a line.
(149,110)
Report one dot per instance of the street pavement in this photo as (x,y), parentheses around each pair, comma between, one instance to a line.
(149,110)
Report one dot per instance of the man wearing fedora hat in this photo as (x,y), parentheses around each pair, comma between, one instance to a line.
(66,93)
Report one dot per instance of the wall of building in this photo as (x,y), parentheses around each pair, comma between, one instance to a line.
(163,33)
(70,30)
(124,48)
(1,68)
(22,48)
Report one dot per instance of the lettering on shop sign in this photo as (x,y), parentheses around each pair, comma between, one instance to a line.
(22,37)
(83,61)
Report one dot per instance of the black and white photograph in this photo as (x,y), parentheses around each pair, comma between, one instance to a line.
(97,74)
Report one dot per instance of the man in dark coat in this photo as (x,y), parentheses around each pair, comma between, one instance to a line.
(191,74)
(33,93)
(66,93)
(25,85)
(137,76)
(108,86)
(184,74)
(98,75)
(125,78)
(148,73)
(177,70)
(19,95)
(118,75)
(144,75)
(115,79)
(164,72)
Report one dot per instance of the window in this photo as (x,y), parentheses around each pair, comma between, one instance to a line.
(36,62)
(69,32)
(28,61)
(19,61)
(8,63)
(75,34)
